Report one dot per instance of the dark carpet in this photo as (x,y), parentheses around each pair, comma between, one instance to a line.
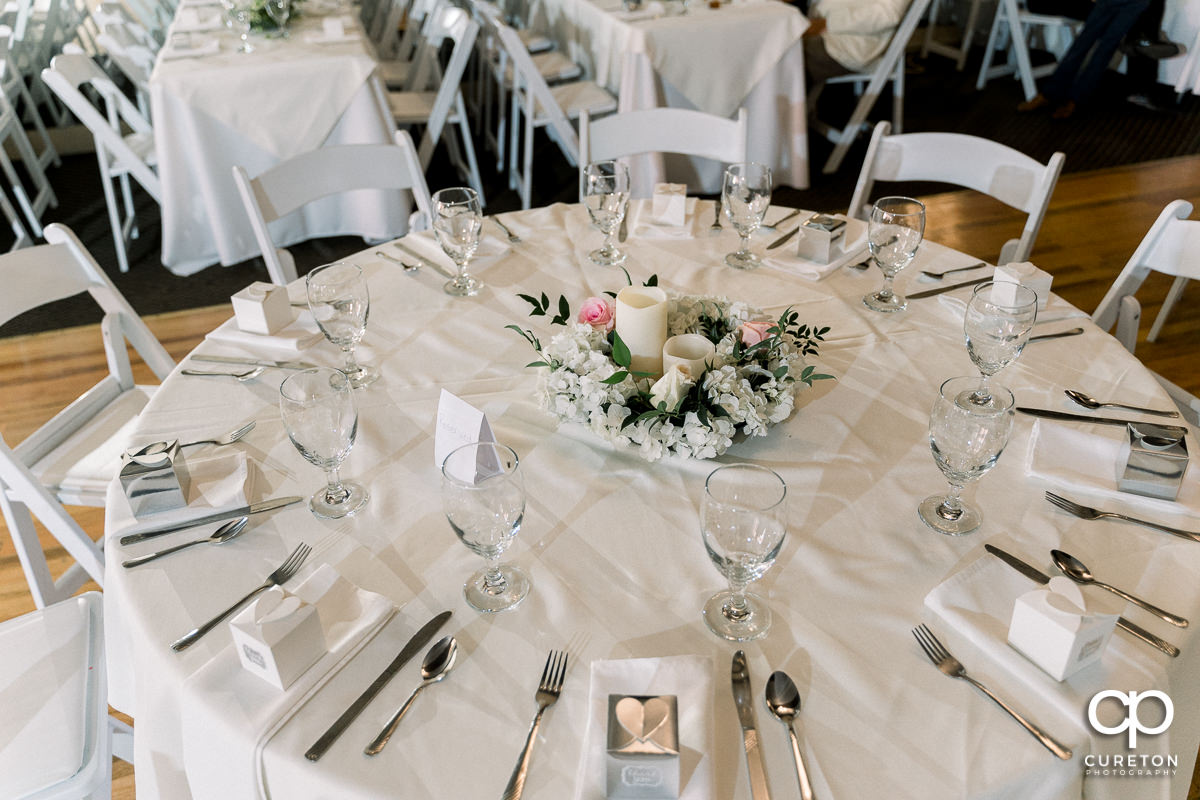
(1108,132)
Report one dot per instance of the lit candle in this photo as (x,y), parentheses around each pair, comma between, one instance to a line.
(689,350)
(642,325)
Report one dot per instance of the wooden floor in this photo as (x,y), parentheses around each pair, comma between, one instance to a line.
(1095,222)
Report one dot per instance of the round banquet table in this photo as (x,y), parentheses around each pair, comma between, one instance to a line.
(611,542)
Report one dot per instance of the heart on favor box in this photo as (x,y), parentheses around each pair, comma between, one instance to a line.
(642,719)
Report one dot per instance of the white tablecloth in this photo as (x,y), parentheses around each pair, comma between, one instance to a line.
(254,110)
(618,569)
(717,60)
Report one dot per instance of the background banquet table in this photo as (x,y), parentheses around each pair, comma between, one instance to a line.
(612,544)
(715,60)
(256,109)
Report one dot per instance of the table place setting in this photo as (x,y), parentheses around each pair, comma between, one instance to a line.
(334,30)
(825,244)
(189,45)
(668,214)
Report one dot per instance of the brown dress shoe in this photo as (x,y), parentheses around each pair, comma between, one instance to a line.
(1065,111)
(1039,101)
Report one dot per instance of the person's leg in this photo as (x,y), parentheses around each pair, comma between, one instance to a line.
(1060,85)
(819,66)
(1075,9)
(1121,18)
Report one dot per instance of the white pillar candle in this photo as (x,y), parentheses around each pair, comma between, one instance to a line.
(689,350)
(642,325)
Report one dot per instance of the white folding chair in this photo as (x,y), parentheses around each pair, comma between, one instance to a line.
(535,104)
(957,53)
(294,183)
(73,457)
(131,56)
(21,237)
(972,162)
(445,106)
(662,130)
(1012,29)
(57,740)
(1169,247)
(397,66)
(889,67)
(32,203)
(12,83)
(119,156)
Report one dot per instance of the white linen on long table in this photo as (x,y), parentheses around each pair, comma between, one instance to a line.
(254,110)
(618,568)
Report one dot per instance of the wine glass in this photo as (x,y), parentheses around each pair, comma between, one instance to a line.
(604,187)
(966,439)
(457,222)
(894,233)
(483,495)
(745,198)
(279,11)
(317,406)
(341,303)
(743,523)
(996,325)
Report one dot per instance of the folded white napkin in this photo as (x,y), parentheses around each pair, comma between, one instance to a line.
(210,483)
(1056,309)
(854,245)
(221,691)
(190,20)
(302,334)
(687,677)
(644,226)
(1086,460)
(199,46)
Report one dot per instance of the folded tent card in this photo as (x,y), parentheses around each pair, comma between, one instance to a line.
(1054,628)
(668,205)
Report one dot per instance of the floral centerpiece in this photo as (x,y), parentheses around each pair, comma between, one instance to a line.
(747,381)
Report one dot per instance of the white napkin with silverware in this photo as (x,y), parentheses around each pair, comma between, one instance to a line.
(690,679)
(300,335)
(853,245)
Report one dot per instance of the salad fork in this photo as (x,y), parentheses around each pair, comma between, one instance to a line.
(1087,512)
(512,237)
(948,664)
(716,225)
(547,694)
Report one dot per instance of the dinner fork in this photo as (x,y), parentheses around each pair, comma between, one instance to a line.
(716,225)
(221,441)
(1087,512)
(951,666)
(242,377)
(280,576)
(512,237)
(547,693)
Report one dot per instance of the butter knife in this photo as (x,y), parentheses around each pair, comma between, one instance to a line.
(1037,576)
(775,225)
(425,261)
(783,239)
(1163,430)
(1041,337)
(743,699)
(171,527)
(251,362)
(418,641)
(941,289)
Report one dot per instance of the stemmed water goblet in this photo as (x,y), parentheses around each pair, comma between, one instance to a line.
(279,11)
(340,303)
(745,198)
(317,406)
(743,523)
(457,223)
(604,188)
(894,233)
(966,439)
(996,326)
(483,495)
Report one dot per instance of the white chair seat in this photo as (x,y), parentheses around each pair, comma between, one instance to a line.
(394,73)
(552,66)
(410,108)
(535,42)
(574,97)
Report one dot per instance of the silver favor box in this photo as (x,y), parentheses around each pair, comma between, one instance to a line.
(820,238)
(643,747)
(1153,460)
(151,481)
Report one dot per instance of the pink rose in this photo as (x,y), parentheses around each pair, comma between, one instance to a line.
(598,312)
(755,331)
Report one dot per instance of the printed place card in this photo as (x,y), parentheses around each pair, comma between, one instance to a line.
(458,423)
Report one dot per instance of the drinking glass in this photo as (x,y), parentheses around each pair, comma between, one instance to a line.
(966,439)
(894,233)
(996,325)
(341,303)
(457,222)
(279,11)
(743,523)
(745,198)
(483,495)
(317,406)
(604,187)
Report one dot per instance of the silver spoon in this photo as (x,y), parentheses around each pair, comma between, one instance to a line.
(783,700)
(409,268)
(1087,401)
(1075,569)
(242,377)
(230,530)
(437,663)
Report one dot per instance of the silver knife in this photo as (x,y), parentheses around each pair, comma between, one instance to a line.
(941,289)
(418,641)
(1167,430)
(783,239)
(743,698)
(171,527)
(1037,576)
(251,362)
(425,261)
(775,225)
(1044,336)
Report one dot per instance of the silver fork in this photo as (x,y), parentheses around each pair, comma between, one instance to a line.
(280,576)
(228,438)
(716,225)
(547,694)
(512,237)
(951,666)
(248,375)
(1087,512)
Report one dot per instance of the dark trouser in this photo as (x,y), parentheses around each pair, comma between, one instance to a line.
(1075,9)
(819,66)
(1143,71)
(1077,75)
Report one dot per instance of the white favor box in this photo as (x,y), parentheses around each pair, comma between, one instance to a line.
(278,637)
(1026,274)
(262,308)
(1053,628)
(669,204)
